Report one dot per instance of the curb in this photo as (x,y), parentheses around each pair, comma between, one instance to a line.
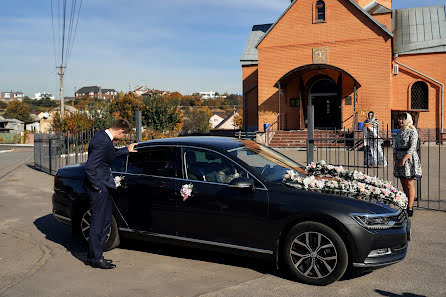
(6,151)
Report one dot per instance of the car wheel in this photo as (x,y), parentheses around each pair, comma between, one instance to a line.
(315,254)
(112,240)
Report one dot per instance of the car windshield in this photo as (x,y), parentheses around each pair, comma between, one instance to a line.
(269,163)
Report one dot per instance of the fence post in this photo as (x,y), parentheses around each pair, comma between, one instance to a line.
(310,141)
(138,125)
(68,149)
(76,147)
(50,154)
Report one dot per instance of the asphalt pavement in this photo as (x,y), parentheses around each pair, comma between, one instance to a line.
(40,257)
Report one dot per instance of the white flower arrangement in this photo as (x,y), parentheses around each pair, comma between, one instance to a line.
(186,191)
(337,180)
(118,179)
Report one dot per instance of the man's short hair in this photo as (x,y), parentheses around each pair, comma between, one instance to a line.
(121,124)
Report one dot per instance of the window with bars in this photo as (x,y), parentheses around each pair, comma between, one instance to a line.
(320,11)
(419,97)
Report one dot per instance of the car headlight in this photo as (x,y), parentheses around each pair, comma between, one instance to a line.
(376,221)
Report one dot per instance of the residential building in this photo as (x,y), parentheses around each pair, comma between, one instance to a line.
(39,96)
(96,92)
(11,96)
(11,125)
(345,58)
(228,123)
(217,118)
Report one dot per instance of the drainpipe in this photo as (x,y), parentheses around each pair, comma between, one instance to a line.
(434,80)
(278,124)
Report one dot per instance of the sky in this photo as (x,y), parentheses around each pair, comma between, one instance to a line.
(176,45)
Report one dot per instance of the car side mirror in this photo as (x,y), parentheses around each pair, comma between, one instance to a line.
(242,183)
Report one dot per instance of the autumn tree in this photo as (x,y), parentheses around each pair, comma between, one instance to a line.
(125,106)
(72,122)
(161,114)
(196,121)
(18,110)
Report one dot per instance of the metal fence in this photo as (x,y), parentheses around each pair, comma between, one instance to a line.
(55,150)
(347,149)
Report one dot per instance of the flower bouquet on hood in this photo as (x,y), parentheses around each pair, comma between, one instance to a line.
(330,179)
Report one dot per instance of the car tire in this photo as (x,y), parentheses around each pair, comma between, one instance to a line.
(83,226)
(315,254)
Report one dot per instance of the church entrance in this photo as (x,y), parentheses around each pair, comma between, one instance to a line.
(323,94)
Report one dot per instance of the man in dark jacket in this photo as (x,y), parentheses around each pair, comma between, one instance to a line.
(99,180)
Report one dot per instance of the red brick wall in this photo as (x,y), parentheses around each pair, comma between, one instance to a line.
(250,79)
(355,44)
(385,19)
(431,65)
(386,3)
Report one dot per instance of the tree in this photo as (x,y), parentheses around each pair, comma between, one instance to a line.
(3,105)
(73,122)
(18,110)
(238,119)
(125,106)
(100,116)
(162,115)
(197,121)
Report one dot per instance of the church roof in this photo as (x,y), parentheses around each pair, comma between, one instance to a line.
(259,32)
(374,8)
(419,30)
(249,56)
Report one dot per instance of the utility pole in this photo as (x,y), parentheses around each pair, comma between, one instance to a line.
(62,107)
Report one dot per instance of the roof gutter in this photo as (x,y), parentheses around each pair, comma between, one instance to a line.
(432,79)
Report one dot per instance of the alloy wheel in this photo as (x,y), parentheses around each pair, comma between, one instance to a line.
(85,226)
(314,255)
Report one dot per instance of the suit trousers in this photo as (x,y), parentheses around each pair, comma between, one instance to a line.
(101,218)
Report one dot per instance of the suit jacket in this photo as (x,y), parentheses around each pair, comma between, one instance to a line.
(101,154)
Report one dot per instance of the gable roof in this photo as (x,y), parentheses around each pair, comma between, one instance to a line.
(384,28)
(249,56)
(419,30)
(374,8)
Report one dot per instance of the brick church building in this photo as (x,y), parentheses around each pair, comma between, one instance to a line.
(346,57)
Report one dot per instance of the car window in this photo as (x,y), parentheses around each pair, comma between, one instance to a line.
(119,163)
(208,166)
(156,161)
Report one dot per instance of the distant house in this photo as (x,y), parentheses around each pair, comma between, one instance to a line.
(47,118)
(11,125)
(140,90)
(39,96)
(152,93)
(228,123)
(11,96)
(209,95)
(217,118)
(96,92)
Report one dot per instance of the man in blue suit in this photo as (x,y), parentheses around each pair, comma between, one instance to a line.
(99,180)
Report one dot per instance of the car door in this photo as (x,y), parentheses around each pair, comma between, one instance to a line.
(215,212)
(147,198)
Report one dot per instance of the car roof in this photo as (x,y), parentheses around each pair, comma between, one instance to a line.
(214,142)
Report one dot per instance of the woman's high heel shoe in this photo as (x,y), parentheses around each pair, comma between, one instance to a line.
(410,212)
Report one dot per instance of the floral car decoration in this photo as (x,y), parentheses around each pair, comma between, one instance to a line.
(118,179)
(186,191)
(326,178)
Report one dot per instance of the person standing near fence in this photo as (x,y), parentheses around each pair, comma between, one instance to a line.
(373,151)
(407,166)
(99,180)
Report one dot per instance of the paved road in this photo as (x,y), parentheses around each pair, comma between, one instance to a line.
(39,257)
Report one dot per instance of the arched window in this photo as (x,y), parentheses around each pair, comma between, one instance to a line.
(419,96)
(320,11)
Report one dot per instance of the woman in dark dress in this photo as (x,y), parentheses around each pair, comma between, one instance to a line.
(407,166)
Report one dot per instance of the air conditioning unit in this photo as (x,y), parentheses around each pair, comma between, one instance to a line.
(395,69)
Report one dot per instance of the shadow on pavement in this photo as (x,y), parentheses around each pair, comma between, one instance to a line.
(61,234)
(390,294)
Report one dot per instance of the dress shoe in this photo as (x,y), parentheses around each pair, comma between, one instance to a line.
(101,264)
(108,261)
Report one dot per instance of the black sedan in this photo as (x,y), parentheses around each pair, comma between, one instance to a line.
(228,193)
